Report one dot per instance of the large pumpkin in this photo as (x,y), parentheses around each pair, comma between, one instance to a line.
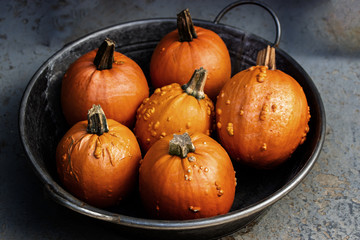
(187,48)
(104,77)
(186,177)
(262,114)
(175,109)
(98,160)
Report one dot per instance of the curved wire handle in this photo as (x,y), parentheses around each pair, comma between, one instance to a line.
(261,4)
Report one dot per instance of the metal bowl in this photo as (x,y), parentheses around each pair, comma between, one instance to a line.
(42,125)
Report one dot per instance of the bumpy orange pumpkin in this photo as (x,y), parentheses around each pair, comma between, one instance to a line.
(175,109)
(262,114)
(107,78)
(186,177)
(98,160)
(187,48)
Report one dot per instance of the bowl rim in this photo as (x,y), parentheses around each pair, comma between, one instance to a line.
(64,198)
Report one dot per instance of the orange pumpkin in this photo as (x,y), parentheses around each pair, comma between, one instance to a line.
(107,78)
(186,177)
(98,160)
(175,109)
(187,48)
(262,114)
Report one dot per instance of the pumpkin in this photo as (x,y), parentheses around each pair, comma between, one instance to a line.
(98,160)
(186,177)
(187,48)
(175,109)
(104,77)
(262,114)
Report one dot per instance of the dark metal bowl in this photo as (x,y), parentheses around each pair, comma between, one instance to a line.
(42,125)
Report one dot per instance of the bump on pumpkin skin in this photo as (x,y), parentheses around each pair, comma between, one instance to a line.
(264,147)
(230,129)
(98,149)
(194,209)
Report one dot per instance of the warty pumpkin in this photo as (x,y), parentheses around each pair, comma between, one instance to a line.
(186,177)
(98,160)
(106,77)
(187,48)
(175,109)
(262,114)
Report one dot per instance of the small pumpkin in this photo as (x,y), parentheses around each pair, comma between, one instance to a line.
(104,77)
(175,109)
(187,48)
(262,114)
(98,160)
(186,177)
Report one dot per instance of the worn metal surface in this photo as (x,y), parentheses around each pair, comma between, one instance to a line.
(323,36)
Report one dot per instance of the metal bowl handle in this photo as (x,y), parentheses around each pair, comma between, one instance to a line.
(258,3)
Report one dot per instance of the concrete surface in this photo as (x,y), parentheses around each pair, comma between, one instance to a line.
(323,36)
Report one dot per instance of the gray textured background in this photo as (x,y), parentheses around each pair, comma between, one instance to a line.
(323,36)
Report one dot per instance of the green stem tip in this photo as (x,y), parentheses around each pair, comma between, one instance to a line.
(185,26)
(266,57)
(195,87)
(105,55)
(97,123)
(181,145)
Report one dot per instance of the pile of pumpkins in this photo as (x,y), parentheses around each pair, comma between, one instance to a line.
(177,145)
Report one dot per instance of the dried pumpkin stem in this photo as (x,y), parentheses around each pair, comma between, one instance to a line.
(185,26)
(105,55)
(181,145)
(97,123)
(266,57)
(195,87)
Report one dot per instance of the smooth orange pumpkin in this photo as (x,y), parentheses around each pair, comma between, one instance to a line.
(103,77)
(98,160)
(175,109)
(262,114)
(187,48)
(186,177)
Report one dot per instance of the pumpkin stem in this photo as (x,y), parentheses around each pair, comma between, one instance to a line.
(105,55)
(266,57)
(195,87)
(181,145)
(185,26)
(97,123)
